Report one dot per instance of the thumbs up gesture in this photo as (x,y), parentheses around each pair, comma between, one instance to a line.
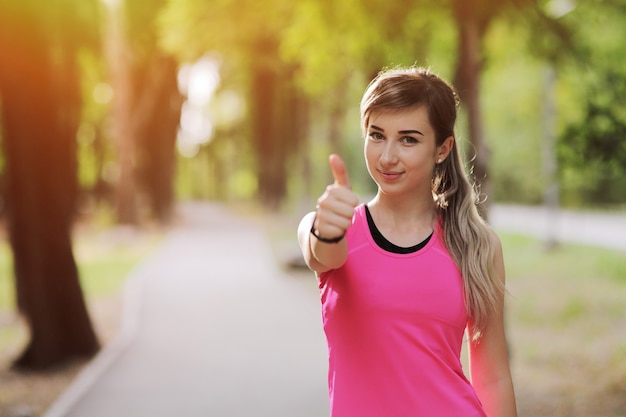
(335,207)
(339,170)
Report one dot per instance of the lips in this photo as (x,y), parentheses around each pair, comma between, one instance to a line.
(390,175)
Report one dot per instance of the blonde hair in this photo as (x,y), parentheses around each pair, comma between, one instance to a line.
(466,235)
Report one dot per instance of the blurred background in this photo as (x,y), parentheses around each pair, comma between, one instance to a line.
(114,112)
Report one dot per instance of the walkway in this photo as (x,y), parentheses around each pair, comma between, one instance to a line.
(606,230)
(212,329)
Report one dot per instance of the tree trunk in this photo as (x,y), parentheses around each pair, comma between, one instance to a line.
(264,97)
(39,108)
(118,58)
(279,119)
(156,121)
(469,66)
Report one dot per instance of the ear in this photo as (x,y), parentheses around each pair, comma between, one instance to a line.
(444,149)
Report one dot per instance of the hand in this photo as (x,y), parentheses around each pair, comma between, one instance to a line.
(335,207)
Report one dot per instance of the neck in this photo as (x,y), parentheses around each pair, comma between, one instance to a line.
(403,211)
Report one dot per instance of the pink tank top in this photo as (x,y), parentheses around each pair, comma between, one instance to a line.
(395,325)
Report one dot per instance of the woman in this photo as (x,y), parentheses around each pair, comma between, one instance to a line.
(403,276)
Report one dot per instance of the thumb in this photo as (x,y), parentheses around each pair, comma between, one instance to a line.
(340,172)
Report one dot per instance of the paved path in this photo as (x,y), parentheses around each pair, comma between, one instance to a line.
(607,230)
(212,328)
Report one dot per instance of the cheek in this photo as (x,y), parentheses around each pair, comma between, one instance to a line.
(420,161)
(367,151)
(370,157)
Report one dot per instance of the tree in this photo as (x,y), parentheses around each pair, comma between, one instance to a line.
(40,104)
(373,34)
(577,45)
(473,18)
(591,147)
(157,119)
(248,36)
(117,55)
(156,104)
(146,109)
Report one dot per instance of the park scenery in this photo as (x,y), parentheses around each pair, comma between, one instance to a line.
(143,143)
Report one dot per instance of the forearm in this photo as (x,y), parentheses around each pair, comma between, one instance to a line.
(320,256)
(489,359)
(497,397)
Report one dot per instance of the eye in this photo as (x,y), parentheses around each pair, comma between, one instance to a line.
(409,140)
(376,136)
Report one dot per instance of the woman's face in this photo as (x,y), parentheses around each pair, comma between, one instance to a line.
(400,151)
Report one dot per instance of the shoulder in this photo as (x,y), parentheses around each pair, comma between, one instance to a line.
(360,211)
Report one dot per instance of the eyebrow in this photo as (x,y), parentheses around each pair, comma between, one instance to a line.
(402,132)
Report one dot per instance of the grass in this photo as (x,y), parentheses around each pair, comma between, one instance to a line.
(577,260)
(563,284)
(104,265)
(103,260)
(6,277)
(566,321)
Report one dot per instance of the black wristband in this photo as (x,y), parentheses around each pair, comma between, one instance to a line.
(323,239)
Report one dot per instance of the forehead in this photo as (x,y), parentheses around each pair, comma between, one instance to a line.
(406,118)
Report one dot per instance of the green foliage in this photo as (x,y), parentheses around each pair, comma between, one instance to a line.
(586,49)
(191,28)
(331,49)
(141,25)
(369,41)
(592,145)
(513,129)
(64,20)
(94,147)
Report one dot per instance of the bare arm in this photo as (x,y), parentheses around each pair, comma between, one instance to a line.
(488,357)
(320,256)
(332,219)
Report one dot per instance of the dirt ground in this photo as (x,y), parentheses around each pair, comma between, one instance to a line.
(31,394)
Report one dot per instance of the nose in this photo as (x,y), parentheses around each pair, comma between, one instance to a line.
(389,155)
